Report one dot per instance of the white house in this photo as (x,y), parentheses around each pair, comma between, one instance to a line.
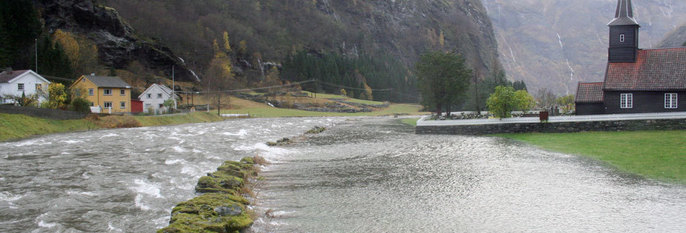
(154,97)
(18,82)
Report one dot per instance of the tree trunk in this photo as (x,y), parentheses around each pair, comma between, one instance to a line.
(448,110)
(439,109)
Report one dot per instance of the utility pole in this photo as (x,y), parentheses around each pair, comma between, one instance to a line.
(36,53)
(174,88)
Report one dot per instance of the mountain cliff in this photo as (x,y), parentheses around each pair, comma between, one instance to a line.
(263,33)
(117,43)
(556,43)
(676,38)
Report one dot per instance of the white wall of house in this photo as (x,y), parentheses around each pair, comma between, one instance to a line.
(26,83)
(154,97)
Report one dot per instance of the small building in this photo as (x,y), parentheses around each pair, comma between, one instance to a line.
(22,82)
(636,80)
(109,94)
(155,96)
(589,99)
(136,106)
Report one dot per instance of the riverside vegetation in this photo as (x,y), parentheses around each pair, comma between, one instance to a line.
(222,205)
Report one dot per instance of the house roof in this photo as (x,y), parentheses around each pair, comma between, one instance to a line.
(7,76)
(624,14)
(108,81)
(163,88)
(654,70)
(589,93)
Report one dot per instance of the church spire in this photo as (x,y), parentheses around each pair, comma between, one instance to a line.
(624,16)
(623,34)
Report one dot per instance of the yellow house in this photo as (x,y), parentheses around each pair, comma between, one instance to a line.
(110,94)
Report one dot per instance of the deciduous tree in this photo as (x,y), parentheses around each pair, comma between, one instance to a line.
(443,80)
(502,102)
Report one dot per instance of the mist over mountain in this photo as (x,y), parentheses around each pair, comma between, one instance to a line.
(556,43)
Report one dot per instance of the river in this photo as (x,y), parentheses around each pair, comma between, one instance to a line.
(361,175)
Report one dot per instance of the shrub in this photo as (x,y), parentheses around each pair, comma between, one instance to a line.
(80,105)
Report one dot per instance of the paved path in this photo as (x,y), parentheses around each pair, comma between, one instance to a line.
(612,117)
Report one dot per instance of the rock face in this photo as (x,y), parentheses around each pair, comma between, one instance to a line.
(117,43)
(674,39)
(555,44)
(402,29)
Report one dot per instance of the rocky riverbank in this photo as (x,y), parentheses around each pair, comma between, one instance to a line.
(222,207)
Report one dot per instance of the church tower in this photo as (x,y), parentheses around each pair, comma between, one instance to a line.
(623,34)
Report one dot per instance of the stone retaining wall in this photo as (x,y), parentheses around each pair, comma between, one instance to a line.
(555,127)
(53,114)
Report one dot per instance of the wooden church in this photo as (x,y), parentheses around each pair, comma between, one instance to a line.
(636,80)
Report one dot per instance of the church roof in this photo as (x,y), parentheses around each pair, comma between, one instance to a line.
(654,70)
(589,93)
(624,15)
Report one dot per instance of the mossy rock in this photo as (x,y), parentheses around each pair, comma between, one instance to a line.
(219,182)
(316,130)
(212,212)
(236,169)
(248,161)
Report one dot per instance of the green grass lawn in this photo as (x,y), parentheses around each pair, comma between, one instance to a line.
(655,154)
(16,126)
(345,98)
(410,121)
(196,117)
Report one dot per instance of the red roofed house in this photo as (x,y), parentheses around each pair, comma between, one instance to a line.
(636,80)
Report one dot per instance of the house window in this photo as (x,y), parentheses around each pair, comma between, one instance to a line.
(20,86)
(621,38)
(671,101)
(122,92)
(91,92)
(107,91)
(149,96)
(122,105)
(159,95)
(626,100)
(108,104)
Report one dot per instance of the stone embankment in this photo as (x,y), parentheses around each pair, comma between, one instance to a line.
(222,207)
(619,122)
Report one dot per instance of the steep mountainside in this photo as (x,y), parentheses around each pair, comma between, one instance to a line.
(556,43)
(116,41)
(676,38)
(271,30)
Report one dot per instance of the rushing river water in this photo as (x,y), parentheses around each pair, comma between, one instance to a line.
(361,175)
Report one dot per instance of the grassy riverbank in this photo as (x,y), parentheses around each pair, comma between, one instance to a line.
(16,126)
(655,154)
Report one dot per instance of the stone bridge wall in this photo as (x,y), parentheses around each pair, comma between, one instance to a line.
(555,127)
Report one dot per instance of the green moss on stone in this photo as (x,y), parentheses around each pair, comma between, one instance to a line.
(221,208)
(200,215)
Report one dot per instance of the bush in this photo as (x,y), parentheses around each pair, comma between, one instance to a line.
(80,105)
